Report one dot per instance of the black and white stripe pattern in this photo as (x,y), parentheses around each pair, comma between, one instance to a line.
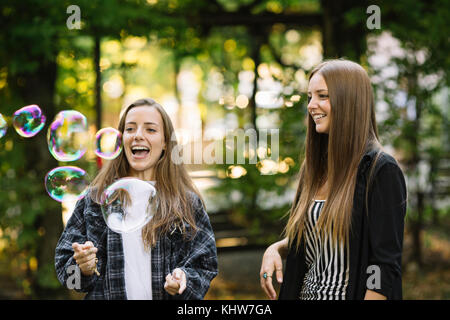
(328,273)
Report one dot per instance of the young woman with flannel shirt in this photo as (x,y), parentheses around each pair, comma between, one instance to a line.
(173,256)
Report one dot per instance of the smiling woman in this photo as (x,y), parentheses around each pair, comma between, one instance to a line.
(173,254)
(143,141)
(348,214)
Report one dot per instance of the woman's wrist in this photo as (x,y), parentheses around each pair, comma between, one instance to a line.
(281,247)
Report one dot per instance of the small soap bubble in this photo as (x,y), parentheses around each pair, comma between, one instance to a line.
(67,136)
(108,143)
(66,183)
(28,121)
(128,204)
(3,126)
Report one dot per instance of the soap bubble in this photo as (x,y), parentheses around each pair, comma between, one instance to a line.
(128,204)
(28,121)
(66,183)
(108,143)
(67,136)
(3,126)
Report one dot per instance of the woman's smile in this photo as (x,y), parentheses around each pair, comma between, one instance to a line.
(140,152)
(143,141)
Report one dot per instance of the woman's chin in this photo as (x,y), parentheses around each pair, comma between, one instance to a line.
(321,130)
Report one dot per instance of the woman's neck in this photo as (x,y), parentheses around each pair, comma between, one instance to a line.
(147,175)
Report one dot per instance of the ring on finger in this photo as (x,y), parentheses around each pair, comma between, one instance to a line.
(265,275)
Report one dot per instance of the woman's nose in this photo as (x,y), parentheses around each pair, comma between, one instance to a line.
(311,105)
(138,133)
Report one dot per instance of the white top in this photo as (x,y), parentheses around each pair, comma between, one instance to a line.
(138,266)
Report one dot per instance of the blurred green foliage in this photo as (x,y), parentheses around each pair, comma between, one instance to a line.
(42,61)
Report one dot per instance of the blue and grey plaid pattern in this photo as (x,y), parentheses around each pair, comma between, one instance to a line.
(196,257)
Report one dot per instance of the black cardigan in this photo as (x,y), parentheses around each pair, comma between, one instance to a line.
(376,238)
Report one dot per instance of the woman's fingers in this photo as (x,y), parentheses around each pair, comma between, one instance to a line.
(269,286)
(87,267)
(85,259)
(263,286)
(279,270)
(82,254)
(171,285)
(271,263)
(88,245)
(180,277)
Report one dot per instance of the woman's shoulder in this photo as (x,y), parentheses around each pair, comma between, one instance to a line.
(194,199)
(87,202)
(377,159)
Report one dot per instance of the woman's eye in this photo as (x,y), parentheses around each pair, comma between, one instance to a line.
(128,129)
(151,130)
(323,96)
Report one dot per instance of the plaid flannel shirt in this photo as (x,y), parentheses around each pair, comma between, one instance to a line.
(196,257)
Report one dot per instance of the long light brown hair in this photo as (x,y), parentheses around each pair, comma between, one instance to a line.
(334,157)
(173,183)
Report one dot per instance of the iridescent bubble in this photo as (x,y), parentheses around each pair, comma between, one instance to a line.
(3,126)
(128,204)
(66,183)
(108,143)
(28,121)
(67,136)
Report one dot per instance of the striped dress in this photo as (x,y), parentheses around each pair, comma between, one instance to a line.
(327,264)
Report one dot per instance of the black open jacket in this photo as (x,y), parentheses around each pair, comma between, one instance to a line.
(376,237)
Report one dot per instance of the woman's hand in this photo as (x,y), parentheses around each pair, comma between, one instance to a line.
(175,282)
(85,257)
(271,263)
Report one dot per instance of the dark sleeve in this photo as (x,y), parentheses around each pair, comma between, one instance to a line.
(387,209)
(200,263)
(75,231)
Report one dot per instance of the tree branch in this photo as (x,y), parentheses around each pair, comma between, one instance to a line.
(312,20)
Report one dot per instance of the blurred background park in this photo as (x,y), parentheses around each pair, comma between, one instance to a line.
(218,66)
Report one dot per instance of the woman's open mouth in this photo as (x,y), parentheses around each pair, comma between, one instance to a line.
(140,152)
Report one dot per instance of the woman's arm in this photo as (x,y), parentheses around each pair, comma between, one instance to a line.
(282,247)
(272,266)
(200,264)
(387,209)
(372,295)
(75,231)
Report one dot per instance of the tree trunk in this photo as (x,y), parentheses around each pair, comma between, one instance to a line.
(39,88)
(255,51)
(339,38)
(98,83)
(417,230)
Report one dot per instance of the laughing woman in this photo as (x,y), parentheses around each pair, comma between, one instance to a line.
(344,236)
(174,255)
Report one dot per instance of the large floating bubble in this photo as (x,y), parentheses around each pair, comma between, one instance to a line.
(28,121)
(128,204)
(67,136)
(66,183)
(3,126)
(108,143)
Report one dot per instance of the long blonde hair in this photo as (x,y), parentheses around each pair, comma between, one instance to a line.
(173,183)
(334,157)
